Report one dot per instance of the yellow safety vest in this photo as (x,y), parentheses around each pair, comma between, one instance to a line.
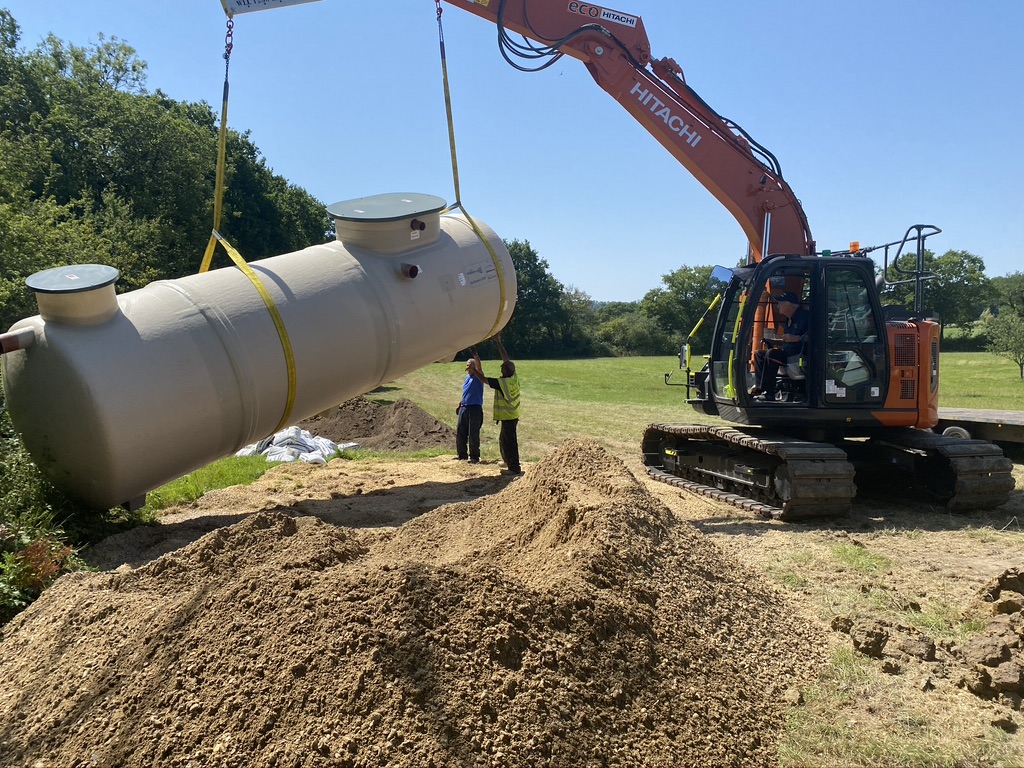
(506,399)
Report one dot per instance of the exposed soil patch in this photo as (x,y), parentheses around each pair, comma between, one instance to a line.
(401,426)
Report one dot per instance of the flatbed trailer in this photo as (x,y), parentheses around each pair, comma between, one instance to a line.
(993,426)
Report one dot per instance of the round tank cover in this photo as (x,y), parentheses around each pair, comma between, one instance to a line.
(393,206)
(75,278)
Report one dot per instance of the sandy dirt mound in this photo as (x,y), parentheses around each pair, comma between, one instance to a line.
(569,619)
(401,426)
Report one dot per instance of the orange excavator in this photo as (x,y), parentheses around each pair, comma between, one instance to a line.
(852,398)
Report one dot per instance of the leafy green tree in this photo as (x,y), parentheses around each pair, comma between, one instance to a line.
(634,333)
(679,305)
(548,320)
(94,168)
(581,328)
(1005,332)
(613,309)
(264,215)
(958,293)
(1009,291)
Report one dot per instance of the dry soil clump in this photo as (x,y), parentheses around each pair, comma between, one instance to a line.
(568,620)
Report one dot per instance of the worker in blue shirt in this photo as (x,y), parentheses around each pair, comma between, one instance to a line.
(471,416)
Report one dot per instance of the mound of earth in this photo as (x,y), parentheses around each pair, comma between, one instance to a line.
(569,619)
(401,426)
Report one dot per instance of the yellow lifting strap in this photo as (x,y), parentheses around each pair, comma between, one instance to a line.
(455,174)
(236,257)
(282,332)
(222,144)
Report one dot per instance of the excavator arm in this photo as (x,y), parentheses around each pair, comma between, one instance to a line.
(614,47)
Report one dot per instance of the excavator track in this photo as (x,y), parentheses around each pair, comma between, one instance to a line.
(962,474)
(775,476)
(770,475)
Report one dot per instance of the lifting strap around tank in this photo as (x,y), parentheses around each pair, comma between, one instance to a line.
(236,257)
(282,331)
(503,299)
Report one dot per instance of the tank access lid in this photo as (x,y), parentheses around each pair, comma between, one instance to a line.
(392,206)
(388,224)
(72,279)
(78,294)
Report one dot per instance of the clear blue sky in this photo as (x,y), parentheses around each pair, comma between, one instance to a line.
(883,114)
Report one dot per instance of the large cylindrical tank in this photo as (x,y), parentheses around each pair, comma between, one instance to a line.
(117,395)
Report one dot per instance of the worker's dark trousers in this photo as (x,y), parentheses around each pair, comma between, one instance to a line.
(766,366)
(467,435)
(508,442)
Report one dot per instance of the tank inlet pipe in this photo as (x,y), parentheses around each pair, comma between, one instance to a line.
(13,340)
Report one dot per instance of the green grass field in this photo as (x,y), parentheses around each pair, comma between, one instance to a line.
(980,380)
(612,400)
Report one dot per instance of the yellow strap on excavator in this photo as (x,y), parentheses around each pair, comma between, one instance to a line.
(282,332)
(731,388)
(503,298)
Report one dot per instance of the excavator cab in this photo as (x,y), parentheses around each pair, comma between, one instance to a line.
(840,364)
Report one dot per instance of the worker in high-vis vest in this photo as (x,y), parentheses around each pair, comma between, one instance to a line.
(506,408)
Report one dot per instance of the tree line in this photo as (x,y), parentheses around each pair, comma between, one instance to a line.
(94,167)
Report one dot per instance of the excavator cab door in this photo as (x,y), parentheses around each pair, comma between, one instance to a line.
(855,353)
(726,359)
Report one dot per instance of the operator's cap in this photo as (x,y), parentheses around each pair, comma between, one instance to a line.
(789,298)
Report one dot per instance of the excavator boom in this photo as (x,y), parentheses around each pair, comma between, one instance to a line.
(615,50)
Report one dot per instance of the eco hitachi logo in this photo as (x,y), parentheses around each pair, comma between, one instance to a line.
(597,13)
(660,109)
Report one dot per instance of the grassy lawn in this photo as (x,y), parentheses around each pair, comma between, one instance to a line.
(980,380)
(612,400)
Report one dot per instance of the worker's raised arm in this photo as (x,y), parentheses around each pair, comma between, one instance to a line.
(501,350)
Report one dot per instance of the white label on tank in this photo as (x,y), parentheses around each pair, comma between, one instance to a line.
(481,272)
(414,235)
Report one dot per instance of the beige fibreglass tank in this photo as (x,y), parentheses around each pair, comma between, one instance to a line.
(115,395)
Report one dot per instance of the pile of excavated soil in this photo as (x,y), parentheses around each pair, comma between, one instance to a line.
(568,620)
(401,426)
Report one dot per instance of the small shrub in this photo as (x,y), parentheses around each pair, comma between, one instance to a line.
(34,549)
(25,573)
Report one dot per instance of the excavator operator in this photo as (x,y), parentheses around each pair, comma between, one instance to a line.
(783,350)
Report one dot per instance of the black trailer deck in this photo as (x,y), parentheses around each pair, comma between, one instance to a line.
(993,426)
